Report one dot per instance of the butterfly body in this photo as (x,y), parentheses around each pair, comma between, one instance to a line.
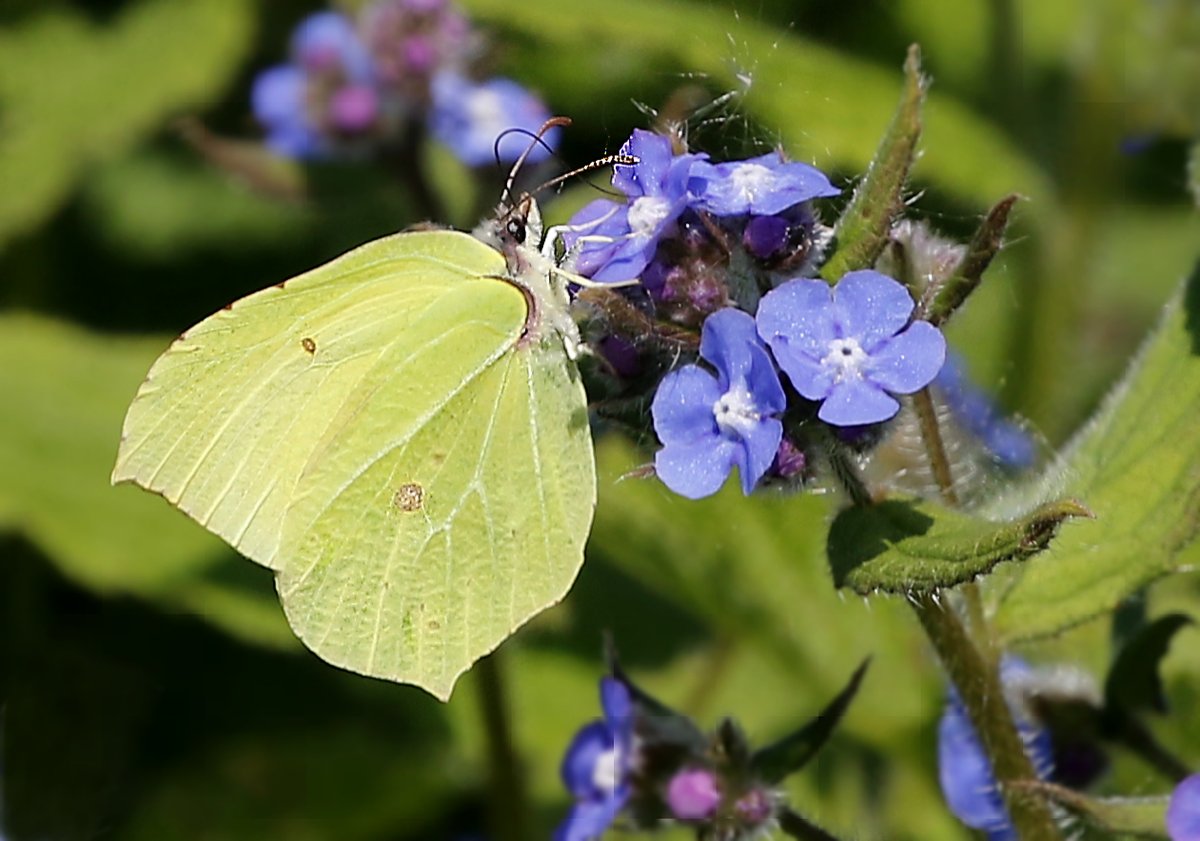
(400,434)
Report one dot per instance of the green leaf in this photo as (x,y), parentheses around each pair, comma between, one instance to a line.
(1133,682)
(1137,465)
(904,546)
(752,568)
(862,231)
(67,397)
(158,207)
(791,753)
(824,106)
(72,92)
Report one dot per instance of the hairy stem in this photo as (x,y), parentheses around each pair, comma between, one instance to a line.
(978,685)
(974,669)
(931,434)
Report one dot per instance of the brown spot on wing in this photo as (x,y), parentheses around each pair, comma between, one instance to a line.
(409,497)
(309,345)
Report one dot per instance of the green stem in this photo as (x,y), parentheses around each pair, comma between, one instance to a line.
(983,697)
(507,798)
(939,464)
(931,434)
(973,671)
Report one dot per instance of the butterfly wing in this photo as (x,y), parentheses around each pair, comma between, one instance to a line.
(375,431)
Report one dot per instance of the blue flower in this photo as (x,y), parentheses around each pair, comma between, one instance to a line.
(617,241)
(328,41)
(761,186)
(325,92)
(412,40)
(469,117)
(964,769)
(710,424)
(850,346)
(597,766)
(1183,812)
(1009,443)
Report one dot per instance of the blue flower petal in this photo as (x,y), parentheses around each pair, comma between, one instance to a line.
(599,224)
(756,457)
(589,819)
(696,470)
(278,95)
(966,775)
(764,383)
(1183,812)
(617,703)
(809,377)
(871,307)
(909,361)
(682,408)
(764,185)
(726,341)
(469,118)
(646,177)
(798,315)
(853,402)
(328,41)
(579,763)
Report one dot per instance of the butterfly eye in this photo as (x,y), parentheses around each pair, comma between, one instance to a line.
(515,228)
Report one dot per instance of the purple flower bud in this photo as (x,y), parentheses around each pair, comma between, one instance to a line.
(790,460)
(411,41)
(693,794)
(419,54)
(354,108)
(766,236)
(755,807)
(621,355)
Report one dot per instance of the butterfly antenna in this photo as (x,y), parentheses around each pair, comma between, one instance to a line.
(618,159)
(553,122)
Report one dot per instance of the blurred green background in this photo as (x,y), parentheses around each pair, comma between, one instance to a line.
(150,688)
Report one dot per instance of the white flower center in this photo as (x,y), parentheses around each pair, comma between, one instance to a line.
(846,357)
(751,179)
(485,108)
(735,411)
(604,773)
(647,213)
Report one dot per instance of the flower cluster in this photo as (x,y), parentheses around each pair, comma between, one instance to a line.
(356,86)
(730,248)
(648,764)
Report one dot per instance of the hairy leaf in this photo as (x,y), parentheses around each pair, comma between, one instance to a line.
(902,546)
(1137,466)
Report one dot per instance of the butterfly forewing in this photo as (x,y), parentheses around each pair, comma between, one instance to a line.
(231,414)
